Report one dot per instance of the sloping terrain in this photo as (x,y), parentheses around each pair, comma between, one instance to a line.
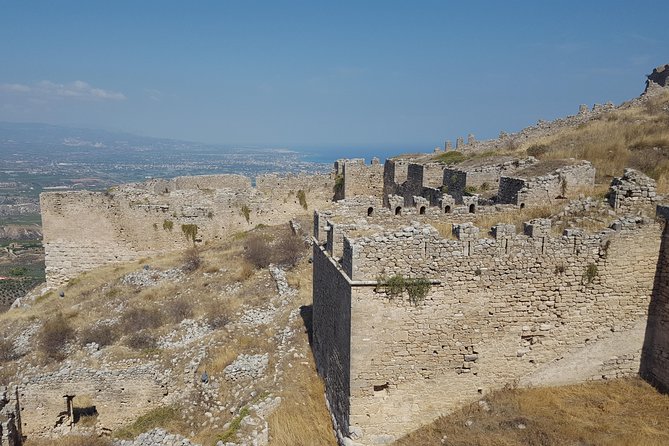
(618,412)
(222,326)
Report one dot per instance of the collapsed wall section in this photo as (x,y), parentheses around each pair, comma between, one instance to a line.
(541,189)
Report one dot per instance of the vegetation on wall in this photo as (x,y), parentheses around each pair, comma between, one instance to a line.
(302,197)
(246,212)
(168,225)
(416,288)
(590,273)
(190,231)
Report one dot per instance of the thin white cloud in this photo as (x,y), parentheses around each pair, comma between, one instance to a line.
(153,94)
(14,88)
(74,90)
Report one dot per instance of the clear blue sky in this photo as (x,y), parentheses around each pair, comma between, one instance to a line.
(321,73)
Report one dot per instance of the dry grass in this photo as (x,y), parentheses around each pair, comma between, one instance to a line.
(302,419)
(635,137)
(619,412)
(516,217)
(70,440)
(168,418)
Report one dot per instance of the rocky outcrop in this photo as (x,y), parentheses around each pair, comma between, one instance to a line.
(658,78)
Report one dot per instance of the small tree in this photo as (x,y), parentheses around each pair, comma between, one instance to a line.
(190,231)
(246,212)
(302,197)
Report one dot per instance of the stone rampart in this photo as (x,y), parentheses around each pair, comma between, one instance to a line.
(360,179)
(331,341)
(499,309)
(655,355)
(83,230)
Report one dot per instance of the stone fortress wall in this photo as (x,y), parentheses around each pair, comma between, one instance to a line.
(83,230)
(357,178)
(655,355)
(530,307)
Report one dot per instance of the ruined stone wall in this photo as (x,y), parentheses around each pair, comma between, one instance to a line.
(10,417)
(509,188)
(394,174)
(433,175)
(504,308)
(545,188)
(632,189)
(655,355)
(119,398)
(83,230)
(331,334)
(484,177)
(363,180)
(455,181)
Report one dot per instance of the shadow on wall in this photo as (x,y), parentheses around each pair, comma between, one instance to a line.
(654,366)
(306,312)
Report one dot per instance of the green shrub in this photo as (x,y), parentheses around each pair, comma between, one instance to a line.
(338,188)
(168,225)
(451,157)
(417,289)
(471,190)
(190,232)
(246,212)
(590,273)
(302,197)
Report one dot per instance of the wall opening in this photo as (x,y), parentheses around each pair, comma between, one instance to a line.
(370,211)
(522,205)
(421,211)
(398,210)
(472,208)
(447,210)
(381,387)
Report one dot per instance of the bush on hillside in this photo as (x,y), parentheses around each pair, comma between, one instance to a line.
(53,337)
(136,319)
(260,250)
(100,334)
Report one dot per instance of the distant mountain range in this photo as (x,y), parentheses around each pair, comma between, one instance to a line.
(38,138)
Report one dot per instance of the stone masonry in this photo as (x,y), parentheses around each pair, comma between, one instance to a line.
(83,230)
(655,355)
(10,417)
(499,309)
(632,189)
